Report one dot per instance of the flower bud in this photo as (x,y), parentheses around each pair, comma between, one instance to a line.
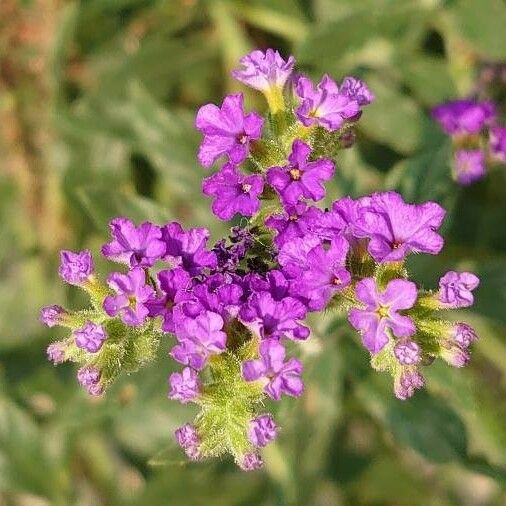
(185,386)
(188,440)
(53,315)
(407,352)
(407,381)
(454,355)
(89,378)
(262,430)
(251,462)
(90,337)
(76,268)
(56,352)
(463,335)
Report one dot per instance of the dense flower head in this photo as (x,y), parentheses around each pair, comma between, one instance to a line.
(455,289)
(469,166)
(262,430)
(90,337)
(300,178)
(264,70)
(381,312)
(498,144)
(461,117)
(324,105)
(227,130)
(233,192)
(132,245)
(396,228)
(76,268)
(132,294)
(184,386)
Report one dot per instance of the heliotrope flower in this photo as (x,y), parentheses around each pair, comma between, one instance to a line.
(264,70)
(464,117)
(300,178)
(227,130)
(90,337)
(293,254)
(325,106)
(381,312)
(89,378)
(498,144)
(407,352)
(469,166)
(184,385)
(462,335)
(56,352)
(262,430)
(76,268)
(251,462)
(132,294)
(188,438)
(282,377)
(409,380)
(233,192)
(132,245)
(356,90)
(396,229)
(455,289)
(53,315)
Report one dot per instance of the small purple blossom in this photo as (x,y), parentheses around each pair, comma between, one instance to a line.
(407,352)
(184,386)
(233,192)
(89,378)
(498,144)
(396,229)
(325,106)
(407,382)
(262,430)
(52,315)
(381,312)
(76,268)
(264,70)
(454,355)
(469,166)
(132,293)
(357,90)
(463,335)
(275,319)
(464,117)
(251,462)
(282,377)
(199,337)
(188,439)
(56,352)
(134,246)
(227,130)
(300,178)
(188,248)
(455,289)
(90,337)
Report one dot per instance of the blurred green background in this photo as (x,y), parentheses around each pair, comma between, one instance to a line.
(97,100)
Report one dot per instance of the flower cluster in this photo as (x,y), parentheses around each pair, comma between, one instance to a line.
(477,137)
(236,308)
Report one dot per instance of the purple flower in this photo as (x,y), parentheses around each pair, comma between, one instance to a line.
(294,221)
(293,254)
(345,214)
(251,462)
(300,178)
(56,352)
(262,430)
(89,378)
(53,315)
(396,229)
(407,352)
(409,380)
(275,319)
(381,312)
(469,166)
(498,144)
(90,337)
(275,283)
(76,268)
(454,355)
(282,377)
(134,246)
(199,337)
(357,90)
(184,386)
(323,274)
(233,192)
(463,335)
(188,249)
(174,285)
(227,130)
(463,117)
(263,71)
(455,289)
(132,293)
(188,439)
(325,106)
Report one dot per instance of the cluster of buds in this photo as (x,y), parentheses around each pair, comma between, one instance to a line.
(232,307)
(478,139)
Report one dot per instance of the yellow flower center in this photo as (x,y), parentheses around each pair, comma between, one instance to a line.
(295,174)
